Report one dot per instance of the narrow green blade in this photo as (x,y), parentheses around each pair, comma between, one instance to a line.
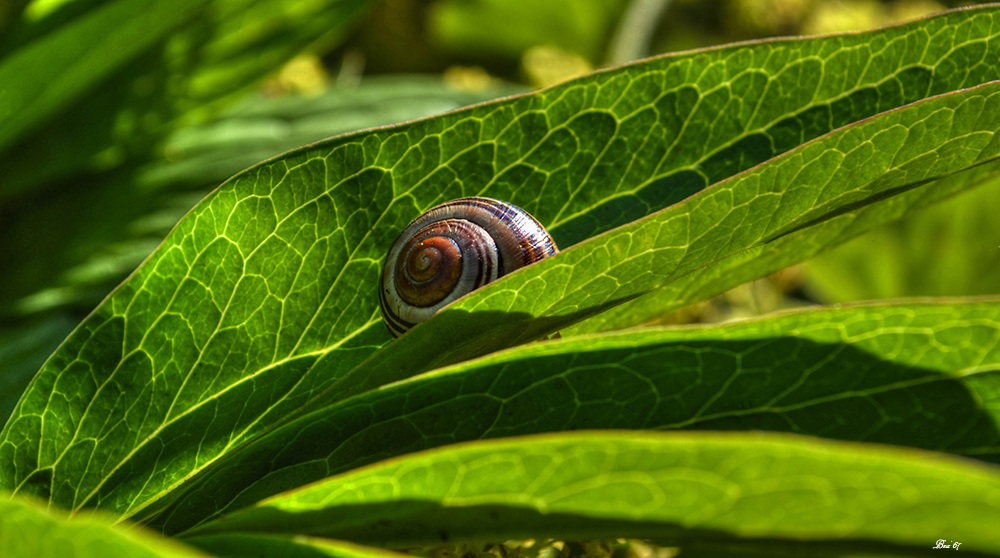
(762,260)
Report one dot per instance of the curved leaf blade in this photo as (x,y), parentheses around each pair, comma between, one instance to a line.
(760,261)
(920,374)
(685,488)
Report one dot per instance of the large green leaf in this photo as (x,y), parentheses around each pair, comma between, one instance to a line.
(29,530)
(923,375)
(854,167)
(762,260)
(86,253)
(683,488)
(44,75)
(262,297)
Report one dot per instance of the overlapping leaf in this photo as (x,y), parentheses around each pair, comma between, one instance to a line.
(923,375)
(762,260)
(852,168)
(950,249)
(261,297)
(28,530)
(679,488)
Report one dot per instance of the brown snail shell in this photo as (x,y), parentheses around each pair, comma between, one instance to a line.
(451,250)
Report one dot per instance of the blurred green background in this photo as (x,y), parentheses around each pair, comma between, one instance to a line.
(88,191)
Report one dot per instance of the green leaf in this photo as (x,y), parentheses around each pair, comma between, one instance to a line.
(43,76)
(262,297)
(923,375)
(246,545)
(947,250)
(759,261)
(484,28)
(29,530)
(682,488)
(852,168)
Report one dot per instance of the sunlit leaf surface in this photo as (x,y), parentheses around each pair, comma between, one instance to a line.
(762,260)
(952,249)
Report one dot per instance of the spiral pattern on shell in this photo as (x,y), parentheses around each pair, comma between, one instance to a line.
(451,250)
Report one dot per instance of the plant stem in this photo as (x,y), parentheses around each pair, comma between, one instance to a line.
(635,31)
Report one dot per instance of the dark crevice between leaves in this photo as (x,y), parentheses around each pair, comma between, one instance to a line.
(660,193)
(407,523)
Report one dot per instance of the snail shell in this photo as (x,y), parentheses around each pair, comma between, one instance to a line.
(451,250)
